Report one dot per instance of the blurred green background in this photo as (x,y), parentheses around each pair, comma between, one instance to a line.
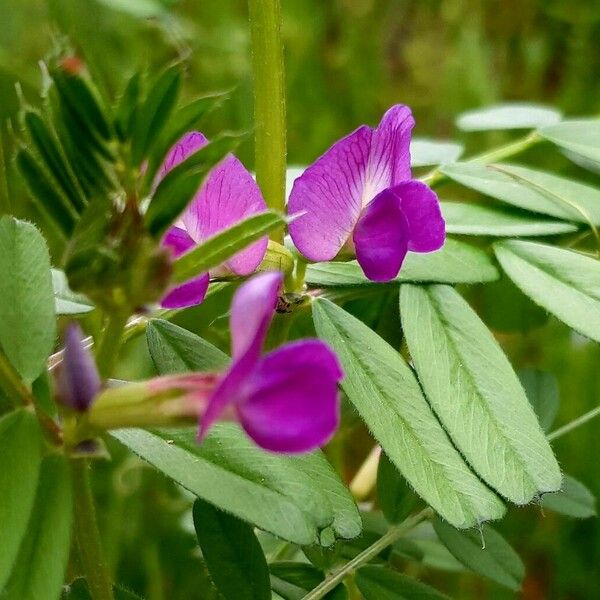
(347,61)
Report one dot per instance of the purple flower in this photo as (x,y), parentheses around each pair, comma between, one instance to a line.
(78,381)
(359,196)
(228,195)
(286,400)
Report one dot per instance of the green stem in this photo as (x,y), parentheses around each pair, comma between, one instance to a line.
(492,156)
(11,383)
(110,344)
(269,102)
(588,416)
(88,536)
(366,555)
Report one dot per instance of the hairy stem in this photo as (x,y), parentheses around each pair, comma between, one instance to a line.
(88,537)
(575,423)
(269,103)
(366,555)
(110,343)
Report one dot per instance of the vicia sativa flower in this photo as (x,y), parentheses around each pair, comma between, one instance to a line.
(228,195)
(286,400)
(359,197)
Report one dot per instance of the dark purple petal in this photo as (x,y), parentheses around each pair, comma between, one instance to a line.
(229,195)
(420,205)
(381,237)
(252,310)
(328,197)
(192,292)
(292,403)
(78,379)
(389,158)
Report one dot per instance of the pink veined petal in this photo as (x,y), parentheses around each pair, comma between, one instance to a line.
(292,403)
(327,197)
(420,205)
(381,237)
(228,195)
(191,292)
(252,310)
(188,144)
(389,157)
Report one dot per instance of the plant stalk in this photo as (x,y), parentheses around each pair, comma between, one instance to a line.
(88,537)
(366,555)
(269,103)
(10,382)
(110,343)
(575,423)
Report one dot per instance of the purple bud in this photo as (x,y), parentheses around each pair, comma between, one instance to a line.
(78,380)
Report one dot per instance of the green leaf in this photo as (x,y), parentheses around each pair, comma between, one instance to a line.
(140,9)
(217,249)
(425,152)
(403,424)
(435,554)
(21,452)
(155,112)
(475,393)
(178,187)
(565,283)
(466,218)
(228,471)
(176,350)
(531,190)
(381,583)
(27,317)
(396,498)
(573,500)
(233,555)
(543,394)
(127,107)
(66,301)
(40,566)
(456,262)
(513,115)
(581,137)
(293,580)
(484,552)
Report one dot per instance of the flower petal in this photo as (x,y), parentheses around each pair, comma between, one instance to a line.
(420,205)
(381,237)
(252,310)
(192,292)
(389,158)
(188,144)
(228,195)
(328,195)
(293,403)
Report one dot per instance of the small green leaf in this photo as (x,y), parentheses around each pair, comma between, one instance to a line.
(233,555)
(543,394)
(456,262)
(155,112)
(176,350)
(381,583)
(477,396)
(403,424)
(396,498)
(66,301)
(513,115)
(27,316)
(228,471)
(424,152)
(466,218)
(40,566)
(531,190)
(581,137)
(21,452)
(217,249)
(486,553)
(573,500)
(127,107)
(565,283)
(178,187)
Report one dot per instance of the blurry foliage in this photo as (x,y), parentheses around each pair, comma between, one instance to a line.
(347,61)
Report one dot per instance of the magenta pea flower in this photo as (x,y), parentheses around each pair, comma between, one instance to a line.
(286,400)
(228,195)
(359,197)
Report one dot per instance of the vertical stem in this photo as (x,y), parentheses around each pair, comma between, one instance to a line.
(11,383)
(110,343)
(88,536)
(269,102)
